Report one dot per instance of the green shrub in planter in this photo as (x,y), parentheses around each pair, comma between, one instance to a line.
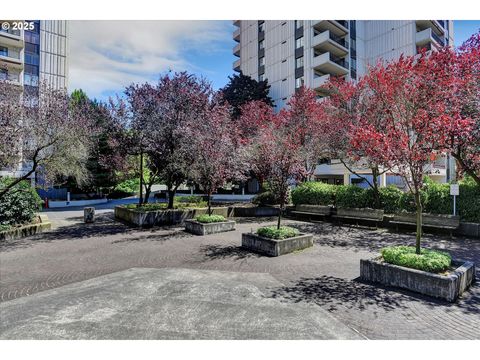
(390,197)
(439,200)
(351,196)
(468,203)
(272,232)
(314,193)
(267,197)
(207,219)
(428,260)
(20,204)
(407,201)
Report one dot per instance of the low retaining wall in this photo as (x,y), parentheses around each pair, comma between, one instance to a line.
(72,203)
(163,217)
(198,228)
(253,211)
(447,287)
(27,230)
(274,247)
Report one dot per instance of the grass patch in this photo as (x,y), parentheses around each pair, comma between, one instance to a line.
(272,232)
(163,206)
(207,219)
(428,260)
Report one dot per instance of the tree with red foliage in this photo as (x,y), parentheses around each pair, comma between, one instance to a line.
(218,152)
(279,155)
(411,94)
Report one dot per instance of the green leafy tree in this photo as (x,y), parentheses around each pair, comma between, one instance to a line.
(242,89)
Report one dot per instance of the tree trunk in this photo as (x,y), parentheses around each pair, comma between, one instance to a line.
(209,201)
(148,191)
(280,212)
(418,203)
(141,180)
(171,196)
(376,193)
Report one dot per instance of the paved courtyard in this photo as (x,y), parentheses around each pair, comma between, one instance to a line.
(321,281)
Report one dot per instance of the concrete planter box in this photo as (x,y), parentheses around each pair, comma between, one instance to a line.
(274,247)
(27,230)
(198,228)
(447,287)
(253,211)
(163,217)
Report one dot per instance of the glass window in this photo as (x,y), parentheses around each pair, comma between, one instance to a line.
(261,61)
(3,51)
(261,44)
(261,27)
(299,42)
(261,77)
(299,62)
(298,24)
(299,82)
(3,74)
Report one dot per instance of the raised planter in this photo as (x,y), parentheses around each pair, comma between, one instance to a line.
(274,247)
(311,210)
(436,221)
(198,228)
(18,232)
(447,287)
(163,217)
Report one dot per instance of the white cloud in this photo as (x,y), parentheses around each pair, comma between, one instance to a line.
(109,55)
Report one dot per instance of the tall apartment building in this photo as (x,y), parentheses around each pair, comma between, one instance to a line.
(36,50)
(292,53)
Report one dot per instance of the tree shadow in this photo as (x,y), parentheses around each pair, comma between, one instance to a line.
(337,293)
(231,252)
(254,220)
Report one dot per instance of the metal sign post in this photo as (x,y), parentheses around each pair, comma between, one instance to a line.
(454,191)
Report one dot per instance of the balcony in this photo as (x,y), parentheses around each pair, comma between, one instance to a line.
(430,24)
(236,23)
(236,65)
(428,36)
(329,42)
(11,38)
(15,78)
(319,81)
(328,63)
(12,57)
(236,50)
(337,27)
(236,35)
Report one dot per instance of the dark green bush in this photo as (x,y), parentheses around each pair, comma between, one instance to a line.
(20,204)
(468,203)
(189,199)
(439,200)
(428,260)
(407,201)
(129,186)
(390,197)
(272,232)
(207,219)
(351,196)
(267,197)
(314,193)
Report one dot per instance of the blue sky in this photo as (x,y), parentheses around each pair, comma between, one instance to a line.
(123,52)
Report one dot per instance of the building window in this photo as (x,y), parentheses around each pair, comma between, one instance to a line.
(299,43)
(261,44)
(299,82)
(298,24)
(261,61)
(299,62)
(3,74)
(261,77)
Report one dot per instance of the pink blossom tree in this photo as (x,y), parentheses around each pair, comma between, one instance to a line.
(218,152)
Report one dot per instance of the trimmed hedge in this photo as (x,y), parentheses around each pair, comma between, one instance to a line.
(19,205)
(207,219)
(435,197)
(266,197)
